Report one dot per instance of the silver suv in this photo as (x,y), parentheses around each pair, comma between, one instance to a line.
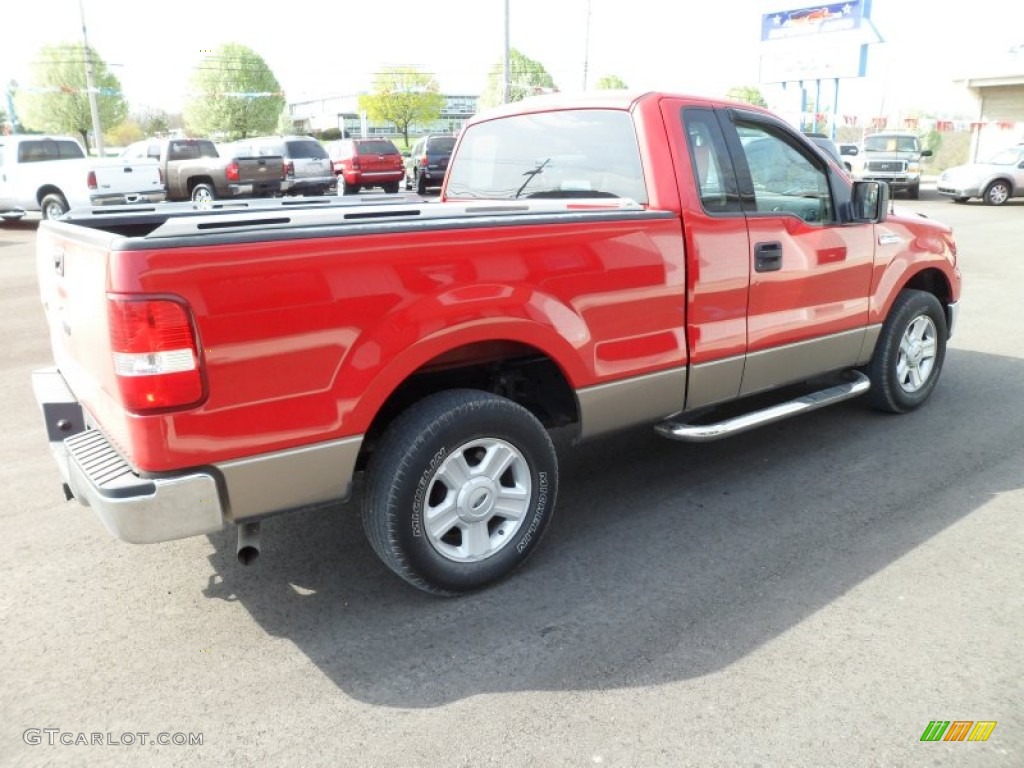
(308,169)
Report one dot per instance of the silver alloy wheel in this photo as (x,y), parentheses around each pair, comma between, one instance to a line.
(997,193)
(477,499)
(202,195)
(918,349)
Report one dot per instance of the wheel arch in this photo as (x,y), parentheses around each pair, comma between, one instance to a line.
(49,189)
(520,370)
(194,181)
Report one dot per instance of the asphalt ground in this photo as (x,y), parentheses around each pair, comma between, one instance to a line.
(814,593)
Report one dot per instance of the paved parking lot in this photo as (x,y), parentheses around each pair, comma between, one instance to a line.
(810,594)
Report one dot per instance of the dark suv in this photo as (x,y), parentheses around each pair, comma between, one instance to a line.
(428,162)
(362,163)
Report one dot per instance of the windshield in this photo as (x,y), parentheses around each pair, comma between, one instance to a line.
(570,153)
(312,150)
(1007,157)
(891,144)
(376,147)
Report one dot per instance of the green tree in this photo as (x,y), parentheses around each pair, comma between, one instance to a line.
(58,100)
(153,122)
(747,93)
(123,134)
(234,95)
(611,83)
(526,78)
(403,96)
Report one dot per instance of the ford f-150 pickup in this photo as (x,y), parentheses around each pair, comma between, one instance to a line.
(51,174)
(592,264)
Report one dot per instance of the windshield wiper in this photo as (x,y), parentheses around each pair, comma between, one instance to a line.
(531,175)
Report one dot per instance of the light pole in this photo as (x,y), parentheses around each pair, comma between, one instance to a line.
(506,79)
(90,85)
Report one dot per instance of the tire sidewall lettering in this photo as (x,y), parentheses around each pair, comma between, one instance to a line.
(419,497)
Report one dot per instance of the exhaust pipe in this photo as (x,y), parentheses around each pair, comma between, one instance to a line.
(248,543)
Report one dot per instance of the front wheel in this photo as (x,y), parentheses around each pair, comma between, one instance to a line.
(421,184)
(996,193)
(914,192)
(53,206)
(909,355)
(460,490)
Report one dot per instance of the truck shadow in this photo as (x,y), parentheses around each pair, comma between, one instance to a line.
(664,562)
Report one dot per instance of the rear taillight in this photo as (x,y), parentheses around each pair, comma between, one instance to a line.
(423,161)
(156,359)
(284,170)
(289,168)
(355,163)
(91,180)
(232,171)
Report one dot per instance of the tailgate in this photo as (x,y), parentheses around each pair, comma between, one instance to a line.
(72,274)
(255,170)
(113,177)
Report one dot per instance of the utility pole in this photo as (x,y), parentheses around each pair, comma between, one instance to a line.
(90,85)
(506,78)
(586,49)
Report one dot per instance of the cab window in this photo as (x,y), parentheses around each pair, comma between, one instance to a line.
(785,180)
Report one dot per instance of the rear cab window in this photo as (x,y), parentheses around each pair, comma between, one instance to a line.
(39,150)
(569,153)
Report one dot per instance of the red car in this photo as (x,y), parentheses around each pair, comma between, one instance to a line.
(362,163)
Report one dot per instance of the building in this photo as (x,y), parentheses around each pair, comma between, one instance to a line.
(342,112)
(999,95)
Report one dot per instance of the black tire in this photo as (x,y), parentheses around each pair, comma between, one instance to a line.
(438,454)
(391,188)
(914,192)
(909,355)
(996,193)
(53,206)
(344,188)
(203,193)
(421,184)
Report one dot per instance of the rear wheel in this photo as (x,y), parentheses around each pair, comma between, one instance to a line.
(203,193)
(53,206)
(421,184)
(460,490)
(996,193)
(391,188)
(910,352)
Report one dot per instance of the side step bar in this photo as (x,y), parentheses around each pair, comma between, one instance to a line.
(704,433)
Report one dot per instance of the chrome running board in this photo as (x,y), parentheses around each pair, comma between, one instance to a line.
(704,433)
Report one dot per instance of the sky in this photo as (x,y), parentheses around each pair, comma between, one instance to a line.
(335,47)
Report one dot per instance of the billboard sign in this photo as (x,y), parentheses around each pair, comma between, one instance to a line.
(816,20)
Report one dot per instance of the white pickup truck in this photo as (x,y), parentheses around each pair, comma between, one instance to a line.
(52,174)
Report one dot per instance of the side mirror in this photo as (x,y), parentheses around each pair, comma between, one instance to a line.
(870,201)
(926,153)
(848,149)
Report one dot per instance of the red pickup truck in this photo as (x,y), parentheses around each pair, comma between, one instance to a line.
(592,264)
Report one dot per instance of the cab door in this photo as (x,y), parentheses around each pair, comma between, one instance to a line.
(810,274)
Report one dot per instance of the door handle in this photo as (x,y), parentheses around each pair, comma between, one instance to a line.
(767,257)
